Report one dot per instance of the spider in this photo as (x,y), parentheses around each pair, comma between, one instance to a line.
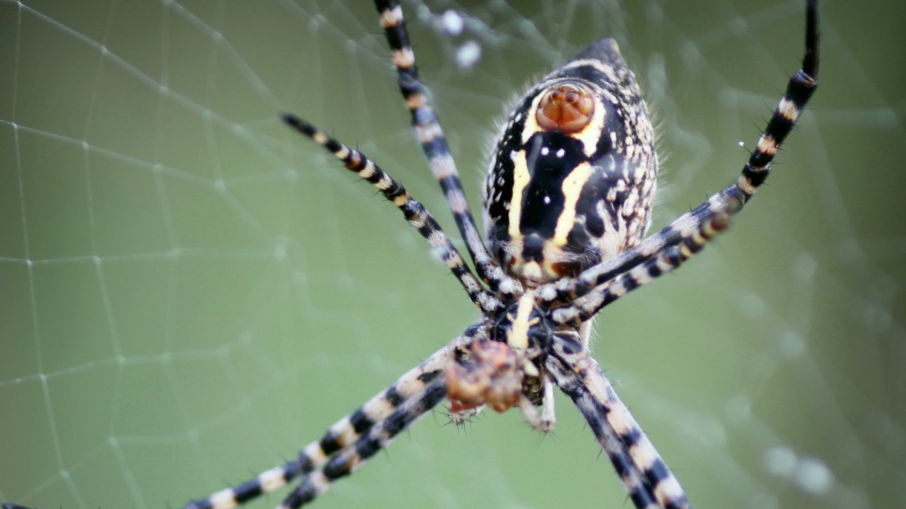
(567,199)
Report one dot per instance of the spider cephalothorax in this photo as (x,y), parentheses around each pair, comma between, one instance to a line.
(567,199)
(506,368)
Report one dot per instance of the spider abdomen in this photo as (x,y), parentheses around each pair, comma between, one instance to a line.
(573,173)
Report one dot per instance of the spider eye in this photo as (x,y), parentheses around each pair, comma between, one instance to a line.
(567,107)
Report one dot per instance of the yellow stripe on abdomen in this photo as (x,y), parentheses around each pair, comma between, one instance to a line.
(521,179)
(572,189)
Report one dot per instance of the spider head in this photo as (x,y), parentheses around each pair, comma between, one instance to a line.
(573,173)
(504,366)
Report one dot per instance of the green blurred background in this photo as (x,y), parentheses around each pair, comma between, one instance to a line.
(189,293)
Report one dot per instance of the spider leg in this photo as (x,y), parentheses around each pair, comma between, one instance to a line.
(544,420)
(377,437)
(643,473)
(661,263)
(434,144)
(344,433)
(548,412)
(681,230)
(729,201)
(414,211)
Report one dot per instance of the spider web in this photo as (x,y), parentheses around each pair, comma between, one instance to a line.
(190,293)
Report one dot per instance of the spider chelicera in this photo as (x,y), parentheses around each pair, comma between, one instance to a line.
(567,199)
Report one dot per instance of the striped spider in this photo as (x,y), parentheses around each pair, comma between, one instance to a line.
(567,199)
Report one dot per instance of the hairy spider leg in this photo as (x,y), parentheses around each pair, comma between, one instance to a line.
(662,262)
(344,433)
(414,212)
(378,436)
(431,137)
(643,473)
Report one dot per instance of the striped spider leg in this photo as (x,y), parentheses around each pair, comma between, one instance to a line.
(431,137)
(567,199)
(392,405)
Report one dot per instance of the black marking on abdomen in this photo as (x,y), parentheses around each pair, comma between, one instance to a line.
(533,249)
(550,157)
